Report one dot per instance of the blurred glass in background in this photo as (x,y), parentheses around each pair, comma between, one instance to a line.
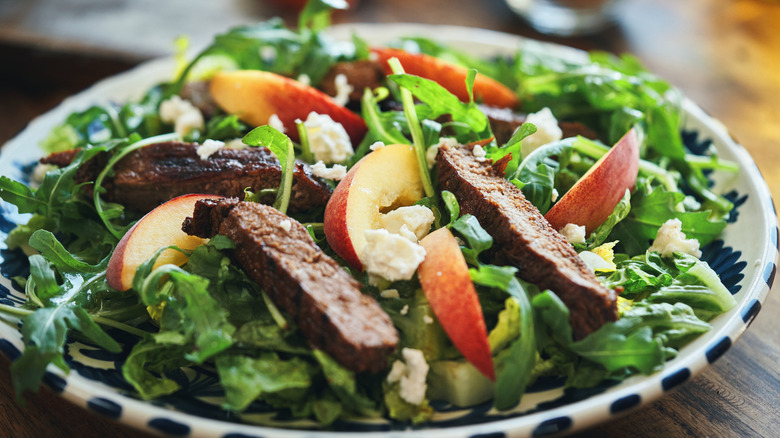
(566,17)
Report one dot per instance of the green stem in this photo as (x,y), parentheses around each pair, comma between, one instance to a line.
(15,311)
(306,154)
(118,325)
(416,130)
(99,181)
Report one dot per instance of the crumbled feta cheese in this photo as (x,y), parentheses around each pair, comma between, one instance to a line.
(390,293)
(336,173)
(405,309)
(208,148)
(547,131)
(268,54)
(182,113)
(670,239)
(416,218)
(275,122)
(555,195)
(328,140)
(431,152)
(574,233)
(286,225)
(406,233)
(304,79)
(411,375)
(391,256)
(427,319)
(236,143)
(479,153)
(376,145)
(343,89)
(39,172)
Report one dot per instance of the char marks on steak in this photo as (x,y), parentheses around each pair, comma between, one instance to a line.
(324,299)
(154,174)
(524,239)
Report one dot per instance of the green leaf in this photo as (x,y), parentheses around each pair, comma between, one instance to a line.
(282,147)
(650,211)
(442,102)
(343,383)
(147,364)
(247,378)
(477,238)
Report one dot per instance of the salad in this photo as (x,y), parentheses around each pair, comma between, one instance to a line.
(467,325)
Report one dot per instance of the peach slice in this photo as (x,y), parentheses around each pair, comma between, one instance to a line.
(381,181)
(160,227)
(593,197)
(450,76)
(256,95)
(445,280)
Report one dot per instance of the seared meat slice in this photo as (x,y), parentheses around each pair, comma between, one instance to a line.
(360,75)
(159,172)
(524,239)
(198,93)
(504,122)
(324,299)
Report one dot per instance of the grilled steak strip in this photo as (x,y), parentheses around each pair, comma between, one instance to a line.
(324,299)
(159,172)
(524,239)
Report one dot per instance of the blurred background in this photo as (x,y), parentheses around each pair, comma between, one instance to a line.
(724,54)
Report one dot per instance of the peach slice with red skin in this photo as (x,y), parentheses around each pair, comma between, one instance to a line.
(256,95)
(450,76)
(446,283)
(594,196)
(159,228)
(387,178)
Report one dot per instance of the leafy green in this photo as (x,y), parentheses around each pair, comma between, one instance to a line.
(282,147)
(649,211)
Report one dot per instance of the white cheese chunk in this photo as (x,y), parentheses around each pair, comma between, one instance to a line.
(376,145)
(574,233)
(390,293)
(182,114)
(275,122)
(547,131)
(337,172)
(670,239)
(208,148)
(285,225)
(431,152)
(479,153)
(411,375)
(343,89)
(391,256)
(416,218)
(328,140)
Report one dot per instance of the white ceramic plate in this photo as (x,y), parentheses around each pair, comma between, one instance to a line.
(744,257)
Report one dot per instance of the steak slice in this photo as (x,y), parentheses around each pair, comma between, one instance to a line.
(324,299)
(504,122)
(524,239)
(154,174)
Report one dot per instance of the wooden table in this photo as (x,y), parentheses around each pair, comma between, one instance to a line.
(725,54)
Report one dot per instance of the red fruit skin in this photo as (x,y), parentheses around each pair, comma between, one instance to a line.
(444,276)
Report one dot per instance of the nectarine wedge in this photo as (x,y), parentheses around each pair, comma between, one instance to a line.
(256,95)
(594,196)
(446,283)
(159,228)
(450,76)
(387,178)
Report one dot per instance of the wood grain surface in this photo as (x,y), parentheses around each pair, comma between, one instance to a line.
(724,54)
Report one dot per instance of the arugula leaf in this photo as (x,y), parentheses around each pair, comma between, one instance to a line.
(282,147)
(147,364)
(246,379)
(477,238)
(649,211)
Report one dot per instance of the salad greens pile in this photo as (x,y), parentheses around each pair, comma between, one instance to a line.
(209,313)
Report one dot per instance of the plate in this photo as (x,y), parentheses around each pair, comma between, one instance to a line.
(744,257)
